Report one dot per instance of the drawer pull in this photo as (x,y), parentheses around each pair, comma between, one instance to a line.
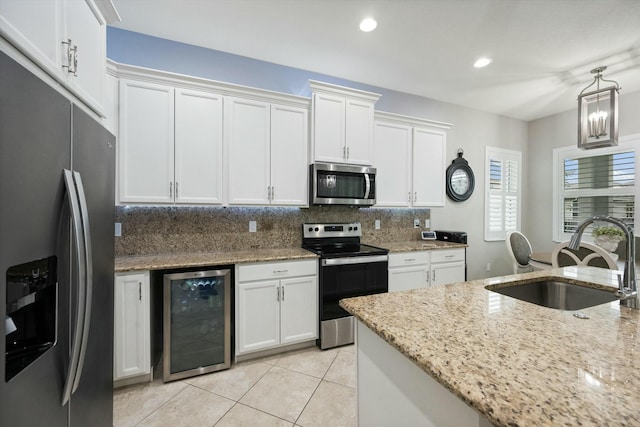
(449,256)
(409,260)
(280,271)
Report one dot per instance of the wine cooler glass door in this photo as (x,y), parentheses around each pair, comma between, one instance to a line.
(197,326)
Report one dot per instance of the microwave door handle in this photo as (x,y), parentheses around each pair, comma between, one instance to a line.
(367,185)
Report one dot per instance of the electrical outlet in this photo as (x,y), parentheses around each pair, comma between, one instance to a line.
(377,226)
(118,229)
(427,223)
(488,266)
(252,227)
(416,223)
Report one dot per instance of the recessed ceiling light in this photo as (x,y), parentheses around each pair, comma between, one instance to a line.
(368,24)
(482,62)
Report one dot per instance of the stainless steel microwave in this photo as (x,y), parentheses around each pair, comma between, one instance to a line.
(337,184)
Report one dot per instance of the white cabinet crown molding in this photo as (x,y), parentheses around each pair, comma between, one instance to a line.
(410,121)
(331,89)
(184,81)
(107,10)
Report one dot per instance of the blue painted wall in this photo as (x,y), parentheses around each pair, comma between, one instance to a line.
(152,52)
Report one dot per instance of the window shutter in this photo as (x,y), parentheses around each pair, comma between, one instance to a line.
(502,210)
(598,185)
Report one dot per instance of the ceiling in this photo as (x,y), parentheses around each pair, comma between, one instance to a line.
(542,50)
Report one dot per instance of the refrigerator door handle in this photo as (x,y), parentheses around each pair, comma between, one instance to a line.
(88,278)
(72,198)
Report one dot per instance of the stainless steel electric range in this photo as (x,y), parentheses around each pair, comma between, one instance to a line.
(347,269)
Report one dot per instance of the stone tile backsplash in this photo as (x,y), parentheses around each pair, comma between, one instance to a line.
(158,230)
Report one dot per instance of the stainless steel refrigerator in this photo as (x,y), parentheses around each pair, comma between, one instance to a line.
(56,257)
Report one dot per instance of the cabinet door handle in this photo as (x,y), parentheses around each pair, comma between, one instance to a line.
(176,190)
(282,293)
(347,153)
(415,196)
(409,197)
(278,293)
(171,190)
(273,192)
(427,275)
(344,153)
(433,275)
(72,58)
(139,291)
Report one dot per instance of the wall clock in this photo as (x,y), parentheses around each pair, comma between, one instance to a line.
(460,180)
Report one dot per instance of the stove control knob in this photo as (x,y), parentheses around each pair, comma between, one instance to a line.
(350,228)
(310,228)
(355,228)
(317,229)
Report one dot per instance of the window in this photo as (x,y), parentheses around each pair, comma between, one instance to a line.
(502,192)
(597,182)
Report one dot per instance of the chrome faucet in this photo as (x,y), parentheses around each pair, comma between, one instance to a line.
(627,291)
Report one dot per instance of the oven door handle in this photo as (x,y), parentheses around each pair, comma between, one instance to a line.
(355,260)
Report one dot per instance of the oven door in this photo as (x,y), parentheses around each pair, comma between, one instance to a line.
(350,277)
(342,185)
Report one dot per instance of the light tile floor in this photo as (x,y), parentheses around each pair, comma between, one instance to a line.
(308,387)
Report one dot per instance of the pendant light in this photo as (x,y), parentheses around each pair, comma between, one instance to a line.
(598,114)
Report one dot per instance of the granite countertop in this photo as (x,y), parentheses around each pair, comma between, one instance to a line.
(420,245)
(201,259)
(517,363)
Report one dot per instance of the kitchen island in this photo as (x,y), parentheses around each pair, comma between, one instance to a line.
(459,354)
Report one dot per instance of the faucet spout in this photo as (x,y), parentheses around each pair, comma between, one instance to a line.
(627,287)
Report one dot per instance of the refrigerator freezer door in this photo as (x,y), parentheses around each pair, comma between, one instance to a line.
(94,160)
(34,149)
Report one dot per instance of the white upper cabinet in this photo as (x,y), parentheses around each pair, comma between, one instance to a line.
(429,149)
(359,132)
(328,128)
(342,124)
(393,144)
(410,161)
(170,146)
(289,154)
(198,147)
(187,140)
(247,130)
(145,147)
(267,146)
(66,38)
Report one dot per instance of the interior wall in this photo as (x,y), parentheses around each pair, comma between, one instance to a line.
(472,130)
(546,134)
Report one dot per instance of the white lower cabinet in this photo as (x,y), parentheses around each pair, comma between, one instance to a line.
(276,304)
(132,325)
(408,270)
(421,269)
(448,266)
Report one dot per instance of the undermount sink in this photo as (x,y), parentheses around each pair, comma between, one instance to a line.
(555,294)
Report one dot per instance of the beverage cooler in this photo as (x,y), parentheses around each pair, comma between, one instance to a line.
(197,323)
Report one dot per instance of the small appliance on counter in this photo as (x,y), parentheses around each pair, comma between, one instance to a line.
(452,236)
